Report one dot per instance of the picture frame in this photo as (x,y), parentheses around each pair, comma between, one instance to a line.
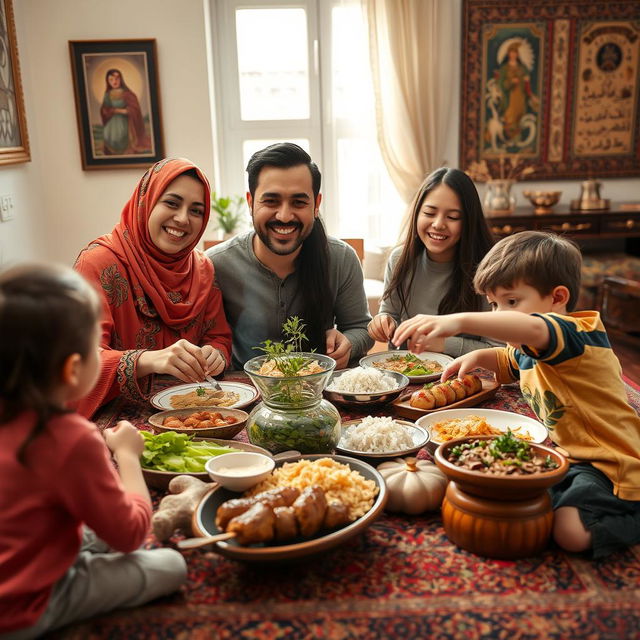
(117,103)
(14,138)
(555,83)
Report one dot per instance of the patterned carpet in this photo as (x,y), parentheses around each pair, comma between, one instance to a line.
(401,579)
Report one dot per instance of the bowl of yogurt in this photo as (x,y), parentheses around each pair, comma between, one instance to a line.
(239,471)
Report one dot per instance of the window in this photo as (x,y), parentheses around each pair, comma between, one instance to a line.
(299,71)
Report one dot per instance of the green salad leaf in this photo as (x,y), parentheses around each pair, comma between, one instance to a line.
(178,452)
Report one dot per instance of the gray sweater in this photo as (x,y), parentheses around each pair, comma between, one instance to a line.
(430,283)
(257,301)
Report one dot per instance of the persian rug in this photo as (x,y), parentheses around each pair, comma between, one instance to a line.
(402,578)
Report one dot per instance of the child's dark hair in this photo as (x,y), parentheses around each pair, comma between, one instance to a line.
(541,260)
(475,241)
(47,313)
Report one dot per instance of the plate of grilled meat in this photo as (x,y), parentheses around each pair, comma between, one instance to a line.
(309,504)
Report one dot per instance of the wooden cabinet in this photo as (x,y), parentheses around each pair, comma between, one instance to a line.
(613,223)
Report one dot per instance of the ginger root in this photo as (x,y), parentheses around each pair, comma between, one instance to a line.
(176,508)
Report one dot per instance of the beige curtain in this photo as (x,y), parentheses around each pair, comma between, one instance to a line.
(407,39)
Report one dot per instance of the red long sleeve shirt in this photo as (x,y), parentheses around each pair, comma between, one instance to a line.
(68,481)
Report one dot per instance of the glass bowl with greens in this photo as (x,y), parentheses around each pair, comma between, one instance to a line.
(293,414)
(291,379)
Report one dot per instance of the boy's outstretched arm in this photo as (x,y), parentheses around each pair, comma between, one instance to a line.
(485,358)
(514,327)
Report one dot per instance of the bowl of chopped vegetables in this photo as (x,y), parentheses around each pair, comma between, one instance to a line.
(501,467)
(171,454)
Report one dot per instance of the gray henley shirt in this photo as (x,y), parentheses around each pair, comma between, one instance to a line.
(257,302)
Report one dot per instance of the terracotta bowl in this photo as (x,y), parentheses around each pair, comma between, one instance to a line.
(511,487)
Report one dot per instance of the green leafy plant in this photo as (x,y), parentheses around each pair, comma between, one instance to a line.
(229,211)
(282,352)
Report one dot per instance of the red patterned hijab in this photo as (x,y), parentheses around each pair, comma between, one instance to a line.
(177,285)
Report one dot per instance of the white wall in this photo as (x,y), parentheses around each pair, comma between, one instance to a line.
(70,207)
(22,236)
(59,207)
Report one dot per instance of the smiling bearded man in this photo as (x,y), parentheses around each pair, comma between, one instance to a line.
(286,265)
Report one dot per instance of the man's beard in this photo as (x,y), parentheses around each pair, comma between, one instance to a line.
(276,247)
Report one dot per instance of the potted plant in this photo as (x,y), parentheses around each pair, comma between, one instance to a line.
(229,213)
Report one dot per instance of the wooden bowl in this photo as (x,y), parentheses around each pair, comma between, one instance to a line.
(500,488)
(225,432)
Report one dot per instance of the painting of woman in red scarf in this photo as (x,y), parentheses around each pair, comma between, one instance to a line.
(124,130)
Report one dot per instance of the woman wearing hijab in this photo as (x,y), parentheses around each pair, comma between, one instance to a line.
(163,313)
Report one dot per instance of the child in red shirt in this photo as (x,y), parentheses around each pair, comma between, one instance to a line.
(57,483)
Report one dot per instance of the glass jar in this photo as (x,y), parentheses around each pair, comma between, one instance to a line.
(293,414)
(311,429)
(498,197)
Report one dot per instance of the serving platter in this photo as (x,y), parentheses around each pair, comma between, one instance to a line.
(419,435)
(501,420)
(440,358)
(402,407)
(247,393)
(204,518)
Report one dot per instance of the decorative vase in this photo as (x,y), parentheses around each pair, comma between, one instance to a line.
(498,197)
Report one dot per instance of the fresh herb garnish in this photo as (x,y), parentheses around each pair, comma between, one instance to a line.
(281,353)
(200,391)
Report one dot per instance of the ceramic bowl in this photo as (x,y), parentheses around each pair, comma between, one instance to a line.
(161,479)
(291,551)
(225,432)
(239,471)
(501,420)
(366,399)
(441,358)
(419,436)
(509,487)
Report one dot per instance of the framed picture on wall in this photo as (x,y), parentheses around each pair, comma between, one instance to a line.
(555,83)
(117,103)
(14,141)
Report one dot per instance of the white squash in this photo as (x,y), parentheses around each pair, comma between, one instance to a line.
(414,486)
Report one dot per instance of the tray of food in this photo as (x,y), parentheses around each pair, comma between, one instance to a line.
(455,393)
(233,395)
(308,504)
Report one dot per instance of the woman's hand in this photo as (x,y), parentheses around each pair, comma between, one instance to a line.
(338,348)
(381,328)
(215,360)
(182,360)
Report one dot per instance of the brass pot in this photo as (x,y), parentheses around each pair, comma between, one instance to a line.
(543,201)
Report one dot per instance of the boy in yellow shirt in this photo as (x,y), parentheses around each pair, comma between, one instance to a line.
(568,374)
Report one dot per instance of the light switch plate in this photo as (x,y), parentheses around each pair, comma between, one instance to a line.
(7,211)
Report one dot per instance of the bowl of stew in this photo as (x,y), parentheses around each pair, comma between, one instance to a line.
(500,467)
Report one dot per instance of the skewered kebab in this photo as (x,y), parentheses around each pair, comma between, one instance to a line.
(263,521)
(281,497)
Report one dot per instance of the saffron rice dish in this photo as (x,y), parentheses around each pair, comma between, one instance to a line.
(338,481)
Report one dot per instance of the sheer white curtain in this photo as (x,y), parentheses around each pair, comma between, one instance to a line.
(407,39)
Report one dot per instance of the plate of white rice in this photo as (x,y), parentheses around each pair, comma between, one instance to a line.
(365,385)
(381,437)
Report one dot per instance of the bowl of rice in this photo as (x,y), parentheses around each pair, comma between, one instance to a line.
(381,437)
(365,386)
